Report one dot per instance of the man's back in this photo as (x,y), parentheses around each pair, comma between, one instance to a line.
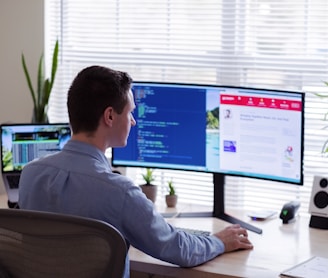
(76,181)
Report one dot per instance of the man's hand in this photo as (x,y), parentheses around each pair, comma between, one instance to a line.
(234,237)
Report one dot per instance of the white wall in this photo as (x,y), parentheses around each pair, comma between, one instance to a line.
(21,30)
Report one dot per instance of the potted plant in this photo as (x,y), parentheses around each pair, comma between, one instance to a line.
(149,189)
(171,199)
(41,94)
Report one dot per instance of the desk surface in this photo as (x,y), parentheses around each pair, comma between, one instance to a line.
(281,246)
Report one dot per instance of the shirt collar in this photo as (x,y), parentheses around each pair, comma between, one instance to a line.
(86,149)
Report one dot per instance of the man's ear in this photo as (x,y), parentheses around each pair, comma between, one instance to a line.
(109,115)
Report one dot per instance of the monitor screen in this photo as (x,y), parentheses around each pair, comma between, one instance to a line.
(248,132)
(21,143)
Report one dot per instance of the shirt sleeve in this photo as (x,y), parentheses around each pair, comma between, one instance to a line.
(148,231)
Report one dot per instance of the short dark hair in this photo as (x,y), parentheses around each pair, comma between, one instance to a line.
(92,91)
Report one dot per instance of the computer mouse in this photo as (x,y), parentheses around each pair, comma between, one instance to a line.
(288,211)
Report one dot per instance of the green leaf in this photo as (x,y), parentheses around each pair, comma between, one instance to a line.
(148,177)
(171,187)
(321,95)
(40,82)
(54,65)
(28,79)
(46,91)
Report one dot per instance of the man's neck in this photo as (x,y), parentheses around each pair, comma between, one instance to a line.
(90,139)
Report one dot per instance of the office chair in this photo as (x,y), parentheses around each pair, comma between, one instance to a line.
(37,244)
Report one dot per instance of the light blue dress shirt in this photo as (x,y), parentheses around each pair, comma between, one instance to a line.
(78,180)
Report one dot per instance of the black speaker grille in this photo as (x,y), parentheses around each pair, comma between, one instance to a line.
(321,199)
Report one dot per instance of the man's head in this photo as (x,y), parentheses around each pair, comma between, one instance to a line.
(93,90)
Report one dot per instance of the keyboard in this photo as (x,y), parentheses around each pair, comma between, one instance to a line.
(194,231)
(13,181)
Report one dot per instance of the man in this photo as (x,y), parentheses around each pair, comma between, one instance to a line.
(79,180)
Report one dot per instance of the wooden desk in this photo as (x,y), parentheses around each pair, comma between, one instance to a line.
(279,247)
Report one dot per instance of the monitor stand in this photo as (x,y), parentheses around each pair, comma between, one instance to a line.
(219,208)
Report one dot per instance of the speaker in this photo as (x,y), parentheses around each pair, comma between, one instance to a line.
(318,207)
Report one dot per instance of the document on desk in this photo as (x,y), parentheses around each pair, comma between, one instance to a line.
(316,267)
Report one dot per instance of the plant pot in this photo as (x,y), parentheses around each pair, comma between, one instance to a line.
(150,191)
(171,200)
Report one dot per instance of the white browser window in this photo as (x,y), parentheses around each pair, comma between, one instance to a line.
(260,134)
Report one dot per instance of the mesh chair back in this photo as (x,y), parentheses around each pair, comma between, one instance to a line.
(41,244)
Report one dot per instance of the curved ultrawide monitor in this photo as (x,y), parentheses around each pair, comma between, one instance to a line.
(248,132)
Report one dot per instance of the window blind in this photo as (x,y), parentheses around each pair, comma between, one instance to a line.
(268,44)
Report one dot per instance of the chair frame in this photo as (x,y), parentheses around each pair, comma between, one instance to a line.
(47,224)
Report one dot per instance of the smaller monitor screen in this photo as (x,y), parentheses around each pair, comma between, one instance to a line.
(21,143)
(217,129)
